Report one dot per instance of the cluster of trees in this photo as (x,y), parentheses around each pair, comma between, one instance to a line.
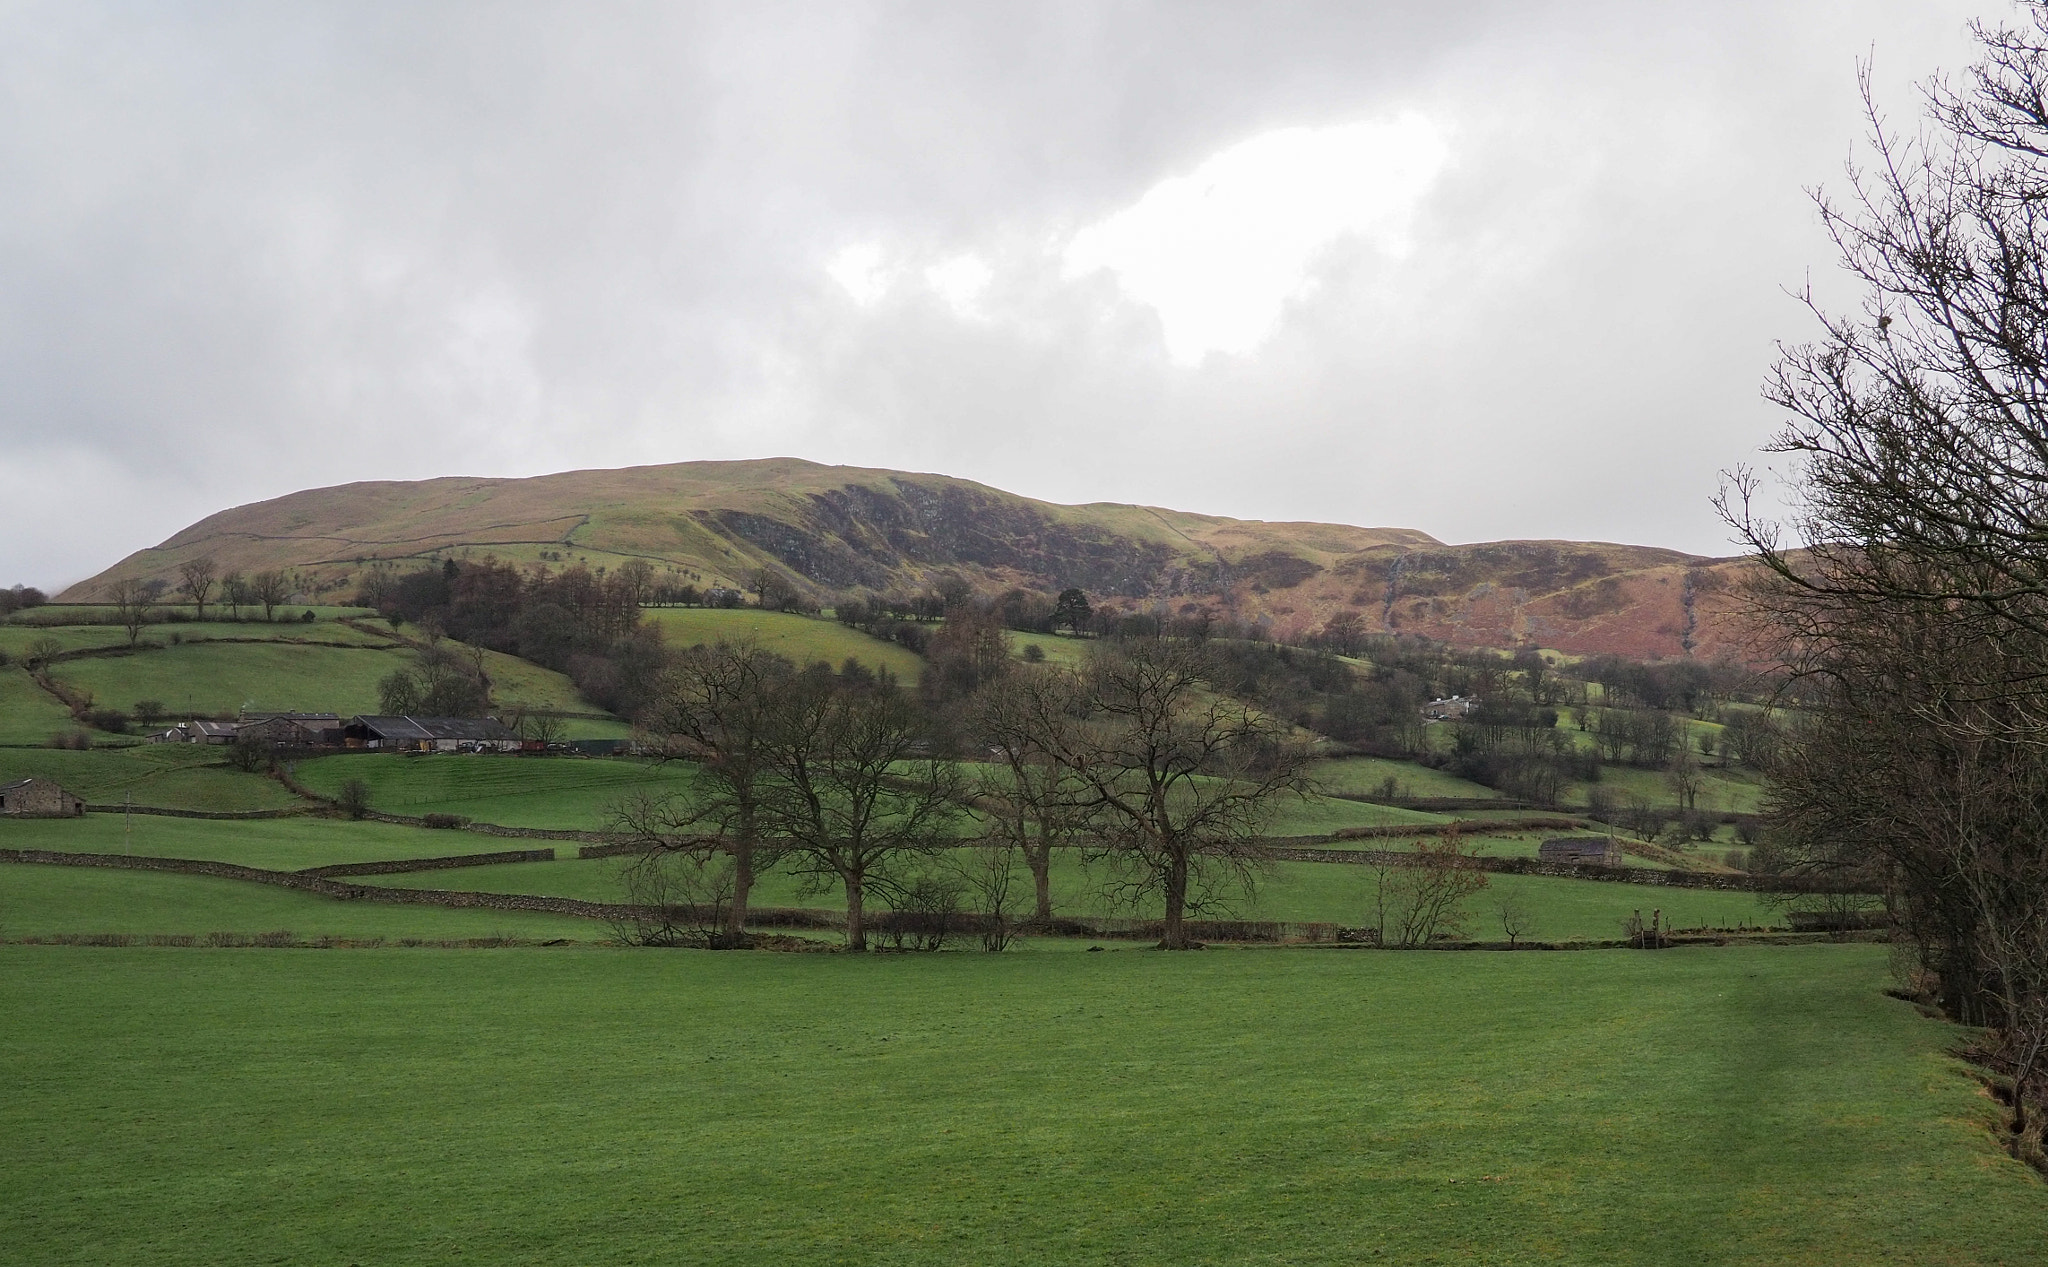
(843,778)
(1916,613)
(20,598)
(577,621)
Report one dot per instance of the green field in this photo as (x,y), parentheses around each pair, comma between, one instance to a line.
(277,844)
(1328,892)
(1058,648)
(219,678)
(44,900)
(552,1106)
(804,639)
(1364,775)
(28,713)
(172,776)
(567,793)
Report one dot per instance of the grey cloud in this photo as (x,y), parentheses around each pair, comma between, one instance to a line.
(251,248)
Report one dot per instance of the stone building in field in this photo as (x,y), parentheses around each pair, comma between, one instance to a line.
(431,734)
(1581,851)
(38,798)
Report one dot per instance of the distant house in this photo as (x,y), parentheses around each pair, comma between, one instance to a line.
(430,734)
(217,732)
(292,730)
(1452,709)
(38,798)
(1581,851)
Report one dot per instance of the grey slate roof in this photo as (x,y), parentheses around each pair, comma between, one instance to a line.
(415,729)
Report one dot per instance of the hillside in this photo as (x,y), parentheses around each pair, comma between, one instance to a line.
(839,528)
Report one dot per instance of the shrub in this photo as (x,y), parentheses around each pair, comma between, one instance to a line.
(445,822)
(248,753)
(307,618)
(148,711)
(111,720)
(1033,653)
(73,740)
(354,799)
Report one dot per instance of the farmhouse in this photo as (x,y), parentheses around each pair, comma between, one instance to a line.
(430,734)
(1581,851)
(216,732)
(292,730)
(1448,709)
(38,798)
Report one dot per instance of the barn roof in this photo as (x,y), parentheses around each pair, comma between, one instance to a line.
(417,728)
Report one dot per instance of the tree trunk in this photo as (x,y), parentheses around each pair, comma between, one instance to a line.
(1039,858)
(1176,936)
(735,934)
(856,931)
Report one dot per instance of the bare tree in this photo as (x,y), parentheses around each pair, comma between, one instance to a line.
(673,898)
(1425,898)
(234,591)
(988,875)
(1685,779)
(1517,918)
(1908,588)
(195,581)
(850,789)
(1031,798)
(270,588)
(1171,781)
(719,706)
(132,603)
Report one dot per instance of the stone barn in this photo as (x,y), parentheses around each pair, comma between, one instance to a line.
(38,798)
(1581,851)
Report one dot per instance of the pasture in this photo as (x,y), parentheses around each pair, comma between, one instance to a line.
(588,1105)
(804,639)
(172,776)
(28,713)
(1323,892)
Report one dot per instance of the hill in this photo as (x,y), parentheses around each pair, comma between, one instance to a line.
(836,528)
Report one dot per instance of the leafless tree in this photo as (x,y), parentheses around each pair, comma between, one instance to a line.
(851,788)
(1517,918)
(1427,897)
(988,876)
(195,581)
(132,601)
(673,898)
(1032,799)
(270,588)
(719,706)
(1171,782)
(234,591)
(1908,587)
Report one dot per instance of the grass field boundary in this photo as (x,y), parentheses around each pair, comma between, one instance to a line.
(223,815)
(400,866)
(1569,871)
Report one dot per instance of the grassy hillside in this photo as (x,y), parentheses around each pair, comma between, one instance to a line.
(28,713)
(1695,1107)
(171,776)
(218,668)
(835,529)
(804,639)
(567,793)
(44,900)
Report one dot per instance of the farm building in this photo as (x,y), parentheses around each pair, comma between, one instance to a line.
(38,798)
(431,734)
(1581,851)
(216,732)
(292,730)
(1451,709)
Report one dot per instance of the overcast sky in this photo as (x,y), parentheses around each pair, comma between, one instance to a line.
(1486,270)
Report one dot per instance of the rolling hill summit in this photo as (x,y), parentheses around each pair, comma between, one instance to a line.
(825,530)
